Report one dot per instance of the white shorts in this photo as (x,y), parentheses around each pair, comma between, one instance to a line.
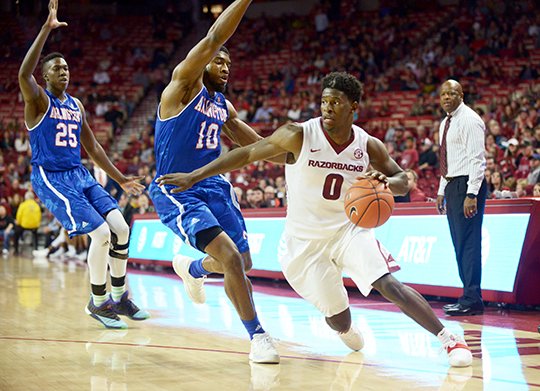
(314,267)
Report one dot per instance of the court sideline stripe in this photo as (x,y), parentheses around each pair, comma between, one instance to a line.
(236,352)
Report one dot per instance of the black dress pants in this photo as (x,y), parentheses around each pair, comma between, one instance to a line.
(467,238)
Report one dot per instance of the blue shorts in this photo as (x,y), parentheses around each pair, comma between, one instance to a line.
(210,203)
(74,197)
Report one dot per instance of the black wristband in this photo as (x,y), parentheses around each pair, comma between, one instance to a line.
(471,195)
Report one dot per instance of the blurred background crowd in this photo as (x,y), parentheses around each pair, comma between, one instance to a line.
(121,56)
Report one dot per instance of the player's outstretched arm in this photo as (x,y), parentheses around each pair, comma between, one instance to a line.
(130,184)
(387,170)
(187,76)
(30,89)
(242,134)
(287,138)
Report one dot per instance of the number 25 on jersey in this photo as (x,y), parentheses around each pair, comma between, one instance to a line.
(65,134)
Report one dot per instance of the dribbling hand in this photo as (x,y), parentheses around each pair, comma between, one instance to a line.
(181,180)
(377,175)
(52,20)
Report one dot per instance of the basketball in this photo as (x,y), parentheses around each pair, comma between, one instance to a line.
(368,204)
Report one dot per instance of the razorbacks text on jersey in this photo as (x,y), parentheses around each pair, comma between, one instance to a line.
(318,180)
(55,140)
(191,139)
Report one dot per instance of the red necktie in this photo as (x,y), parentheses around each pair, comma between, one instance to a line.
(443,160)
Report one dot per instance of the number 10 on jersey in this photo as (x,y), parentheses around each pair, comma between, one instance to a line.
(208,136)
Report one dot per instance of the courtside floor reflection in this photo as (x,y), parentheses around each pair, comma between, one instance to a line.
(395,344)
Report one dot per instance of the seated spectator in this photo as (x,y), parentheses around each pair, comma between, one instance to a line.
(240,197)
(281,189)
(294,113)
(270,197)
(263,113)
(536,190)
(50,228)
(491,164)
(496,182)
(534,176)
(428,158)
(508,162)
(6,228)
(144,205)
(22,143)
(528,72)
(14,203)
(409,157)
(256,198)
(116,116)
(101,77)
(28,219)
(522,188)
(415,194)
(16,188)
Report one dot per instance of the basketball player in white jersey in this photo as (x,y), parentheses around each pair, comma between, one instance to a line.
(325,156)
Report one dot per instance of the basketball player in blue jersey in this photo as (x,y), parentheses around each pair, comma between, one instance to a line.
(58,126)
(190,117)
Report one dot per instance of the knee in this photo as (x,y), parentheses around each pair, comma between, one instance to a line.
(122,233)
(233,262)
(248,264)
(101,235)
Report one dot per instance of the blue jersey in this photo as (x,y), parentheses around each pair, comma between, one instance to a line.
(55,140)
(191,139)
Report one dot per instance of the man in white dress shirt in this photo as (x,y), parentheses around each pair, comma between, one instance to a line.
(462,192)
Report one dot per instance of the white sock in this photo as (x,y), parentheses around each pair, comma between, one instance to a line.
(445,336)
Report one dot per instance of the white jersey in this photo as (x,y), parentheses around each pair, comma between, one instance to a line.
(318,180)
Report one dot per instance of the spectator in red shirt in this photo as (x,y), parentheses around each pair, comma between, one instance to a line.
(415,194)
(409,157)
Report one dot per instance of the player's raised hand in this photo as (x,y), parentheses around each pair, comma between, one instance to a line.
(52,20)
(181,180)
(132,185)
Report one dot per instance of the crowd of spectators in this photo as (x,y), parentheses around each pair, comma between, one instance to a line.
(401,55)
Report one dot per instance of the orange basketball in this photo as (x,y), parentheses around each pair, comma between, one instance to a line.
(368,204)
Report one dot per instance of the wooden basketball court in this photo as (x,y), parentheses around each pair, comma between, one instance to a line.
(47,342)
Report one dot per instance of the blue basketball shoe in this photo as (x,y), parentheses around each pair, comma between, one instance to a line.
(128,308)
(105,314)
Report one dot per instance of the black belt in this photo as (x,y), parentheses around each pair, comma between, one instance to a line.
(453,178)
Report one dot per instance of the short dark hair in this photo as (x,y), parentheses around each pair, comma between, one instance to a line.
(49,57)
(346,83)
(225,50)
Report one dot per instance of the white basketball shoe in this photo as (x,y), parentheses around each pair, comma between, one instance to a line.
(459,354)
(352,338)
(194,286)
(263,350)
